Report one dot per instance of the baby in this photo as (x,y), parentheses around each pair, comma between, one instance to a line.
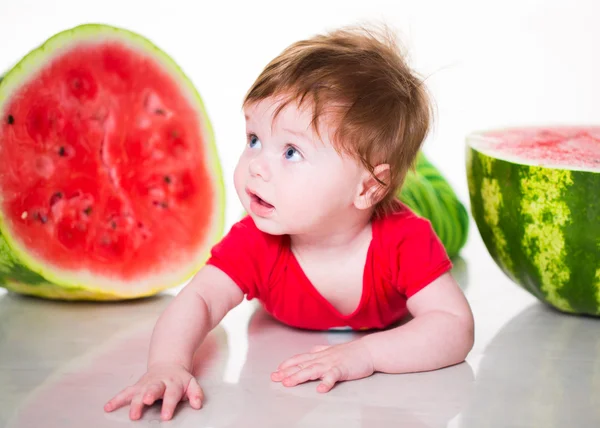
(333,125)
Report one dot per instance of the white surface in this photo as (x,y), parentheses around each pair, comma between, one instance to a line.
(530,367)
(490,64)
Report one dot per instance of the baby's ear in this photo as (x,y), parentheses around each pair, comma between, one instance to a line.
(372,190)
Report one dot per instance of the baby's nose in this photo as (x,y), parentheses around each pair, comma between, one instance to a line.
(259,167)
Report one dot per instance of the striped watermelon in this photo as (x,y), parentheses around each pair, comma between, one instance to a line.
(429,195)
(535,197)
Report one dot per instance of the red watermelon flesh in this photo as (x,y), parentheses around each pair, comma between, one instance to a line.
(108,170)
(564,146)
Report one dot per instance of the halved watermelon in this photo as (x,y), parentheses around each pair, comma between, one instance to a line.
(535,197)
(110,182)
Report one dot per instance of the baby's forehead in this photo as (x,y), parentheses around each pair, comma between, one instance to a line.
(280,113)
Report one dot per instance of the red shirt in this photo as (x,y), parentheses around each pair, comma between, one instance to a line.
(404,256)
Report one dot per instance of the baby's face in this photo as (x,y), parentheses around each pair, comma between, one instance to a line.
(289,179)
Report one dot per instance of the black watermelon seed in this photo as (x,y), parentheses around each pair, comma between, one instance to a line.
(113,224)
(42,218)
(11,119)
(167,179)
(87,211)
(55,198)
(62,151)
(159,112)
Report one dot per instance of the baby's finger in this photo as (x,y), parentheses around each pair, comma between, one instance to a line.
(312,372)
(296,359)
(121,399)
(281,374)
(153,392)
(329,379)
(171,398)
(319,348)
(137,405)
(194,394)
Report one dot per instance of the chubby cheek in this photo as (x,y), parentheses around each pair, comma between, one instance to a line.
(239,180)
(306,200)
(292,198)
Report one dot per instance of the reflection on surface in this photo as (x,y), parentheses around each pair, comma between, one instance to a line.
(60,362)
(541,370)
(58,359)
(415,400)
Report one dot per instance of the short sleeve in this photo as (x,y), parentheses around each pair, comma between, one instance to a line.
(420,255)
(243,254)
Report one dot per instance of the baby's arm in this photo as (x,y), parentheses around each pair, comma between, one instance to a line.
(196,310)
(440,334)
(178,333)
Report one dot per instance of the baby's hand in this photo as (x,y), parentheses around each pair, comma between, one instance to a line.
(331,364)
(171,382)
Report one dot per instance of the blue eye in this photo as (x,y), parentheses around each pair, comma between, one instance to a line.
(253,141)
(292,154)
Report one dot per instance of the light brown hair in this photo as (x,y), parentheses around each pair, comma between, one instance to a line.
(381,108)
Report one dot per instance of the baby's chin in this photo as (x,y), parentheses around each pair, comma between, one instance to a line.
(269,225)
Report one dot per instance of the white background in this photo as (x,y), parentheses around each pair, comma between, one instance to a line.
(489,63)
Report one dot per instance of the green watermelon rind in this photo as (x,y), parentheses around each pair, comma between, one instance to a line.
(44,277)
(541,225)
(430,195)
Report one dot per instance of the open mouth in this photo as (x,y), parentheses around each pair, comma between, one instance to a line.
(258,200)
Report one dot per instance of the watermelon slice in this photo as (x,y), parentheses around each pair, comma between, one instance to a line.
(110,183)
(535,197)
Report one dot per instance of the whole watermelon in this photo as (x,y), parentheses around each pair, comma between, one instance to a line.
(430,195)
(535,197)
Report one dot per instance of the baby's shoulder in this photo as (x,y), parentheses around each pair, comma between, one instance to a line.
(402,224)
(412,249)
